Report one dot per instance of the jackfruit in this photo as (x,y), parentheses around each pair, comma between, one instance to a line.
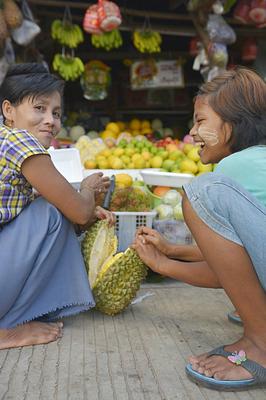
(114,278)
(98,244)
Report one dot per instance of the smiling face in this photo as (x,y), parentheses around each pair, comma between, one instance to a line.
(210,132)
(40,116)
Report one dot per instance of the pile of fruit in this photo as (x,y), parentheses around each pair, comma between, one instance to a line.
(133,146)
(147,41)
(170,207)
(66,33)
(88,149)
(140,154)
(133,128)
(130,199)
(116,130)
(128,195)
(107,40)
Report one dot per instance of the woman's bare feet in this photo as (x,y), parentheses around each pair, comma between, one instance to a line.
(30,334)
(221,368)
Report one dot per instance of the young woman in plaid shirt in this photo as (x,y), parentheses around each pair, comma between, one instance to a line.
(42,274)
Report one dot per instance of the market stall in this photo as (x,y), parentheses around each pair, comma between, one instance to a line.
(131,74)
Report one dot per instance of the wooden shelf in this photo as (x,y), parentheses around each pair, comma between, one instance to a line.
(154,111)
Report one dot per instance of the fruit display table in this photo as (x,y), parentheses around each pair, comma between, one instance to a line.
(134,173)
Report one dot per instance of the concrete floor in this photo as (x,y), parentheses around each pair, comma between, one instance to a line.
(137,355)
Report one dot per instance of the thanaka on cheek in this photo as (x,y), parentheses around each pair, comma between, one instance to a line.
(210,137)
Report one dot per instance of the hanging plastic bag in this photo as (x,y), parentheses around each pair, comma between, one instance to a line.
(91,23)
(109,15)
(219,31)
(28,29)
(174,231)
(218,55)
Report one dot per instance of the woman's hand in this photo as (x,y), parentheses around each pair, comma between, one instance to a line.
(149,254)
(101,213)
(151,236)
(97,183)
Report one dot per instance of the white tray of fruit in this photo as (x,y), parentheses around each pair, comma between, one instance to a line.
(162,178)
(134,173)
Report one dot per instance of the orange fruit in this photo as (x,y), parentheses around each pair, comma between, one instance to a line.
(161,190)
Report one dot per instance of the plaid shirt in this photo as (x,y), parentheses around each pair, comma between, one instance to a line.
(15,191)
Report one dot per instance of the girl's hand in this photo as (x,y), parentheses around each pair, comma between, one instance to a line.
(101,213)
(149,254)
(151,236)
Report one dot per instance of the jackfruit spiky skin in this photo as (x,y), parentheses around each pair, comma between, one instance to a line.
(114,279)
(118,283)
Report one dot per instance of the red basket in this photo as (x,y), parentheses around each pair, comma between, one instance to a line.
(91,23)
(109,15)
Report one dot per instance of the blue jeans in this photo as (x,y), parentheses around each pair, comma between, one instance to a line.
(232,212)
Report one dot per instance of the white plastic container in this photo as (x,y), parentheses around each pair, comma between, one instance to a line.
(127,223)
(67,162)
(134,173)
(161,178)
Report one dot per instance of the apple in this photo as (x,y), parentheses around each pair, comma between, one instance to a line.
(156,162)
(174,155)
(168,164)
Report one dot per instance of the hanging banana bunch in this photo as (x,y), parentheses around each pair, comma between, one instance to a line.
(68,66)
(107,40)
(66,33)
(147,41)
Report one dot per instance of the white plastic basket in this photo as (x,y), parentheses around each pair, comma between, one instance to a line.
(127,223)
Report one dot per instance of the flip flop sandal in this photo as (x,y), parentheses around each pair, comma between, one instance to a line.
(234,318)
(239,358)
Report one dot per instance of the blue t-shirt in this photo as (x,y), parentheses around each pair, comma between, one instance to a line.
(248,168)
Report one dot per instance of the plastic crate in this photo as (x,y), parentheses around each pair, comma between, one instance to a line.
(127,223)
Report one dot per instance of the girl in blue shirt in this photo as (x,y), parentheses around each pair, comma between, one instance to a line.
(226,213)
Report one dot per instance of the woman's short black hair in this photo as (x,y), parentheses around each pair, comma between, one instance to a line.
(28,80)
(238,96)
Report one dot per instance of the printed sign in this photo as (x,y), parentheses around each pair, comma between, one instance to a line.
(147,74)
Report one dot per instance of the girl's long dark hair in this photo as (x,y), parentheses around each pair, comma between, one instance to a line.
(239,97)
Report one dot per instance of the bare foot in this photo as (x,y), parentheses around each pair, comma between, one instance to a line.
(221,368)
(30,334)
